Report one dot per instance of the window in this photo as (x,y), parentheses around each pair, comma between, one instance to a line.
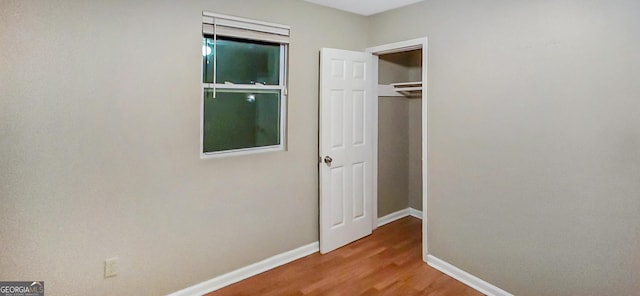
(244,92)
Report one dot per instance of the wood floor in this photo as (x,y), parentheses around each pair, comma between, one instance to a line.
(388,262)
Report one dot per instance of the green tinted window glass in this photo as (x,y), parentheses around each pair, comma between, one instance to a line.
(241,61)
(238,119)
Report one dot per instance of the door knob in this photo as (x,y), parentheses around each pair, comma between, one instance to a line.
(328,160)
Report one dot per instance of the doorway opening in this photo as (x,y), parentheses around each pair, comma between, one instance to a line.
(349,146)
(400,133)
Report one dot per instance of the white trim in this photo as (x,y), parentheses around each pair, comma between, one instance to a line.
(219,86)
(399,215)
(393,217)
(425,191)
(465,277)
(399,46)
(415,213)
(418,43)
(240,152)
(374,138)
(247,271)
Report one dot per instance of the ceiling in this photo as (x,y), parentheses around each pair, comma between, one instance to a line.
(364,7)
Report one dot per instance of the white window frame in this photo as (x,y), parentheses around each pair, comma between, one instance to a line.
(248,24)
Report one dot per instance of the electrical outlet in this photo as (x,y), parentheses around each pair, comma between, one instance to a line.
(110,267)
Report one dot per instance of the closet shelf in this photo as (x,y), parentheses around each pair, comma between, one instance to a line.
(407,89)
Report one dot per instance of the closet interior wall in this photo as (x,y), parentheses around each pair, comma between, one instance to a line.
(399,136)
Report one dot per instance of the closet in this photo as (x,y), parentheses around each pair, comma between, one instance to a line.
(399,131)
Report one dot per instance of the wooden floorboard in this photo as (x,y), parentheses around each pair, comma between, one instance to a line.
(388,262)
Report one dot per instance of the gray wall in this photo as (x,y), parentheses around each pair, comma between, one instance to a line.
(534,140)
(399,136)
(414,133)
(393,155)
(99,141)
(399,154)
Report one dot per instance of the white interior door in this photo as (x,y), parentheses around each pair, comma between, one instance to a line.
(346,147)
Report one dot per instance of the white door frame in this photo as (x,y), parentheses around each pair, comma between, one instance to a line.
(419,43)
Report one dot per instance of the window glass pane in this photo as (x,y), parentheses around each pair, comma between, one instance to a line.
(238,119)
(241,61)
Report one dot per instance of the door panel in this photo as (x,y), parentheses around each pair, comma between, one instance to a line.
(346,148)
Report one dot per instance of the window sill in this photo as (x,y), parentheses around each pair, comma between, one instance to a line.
(240,152)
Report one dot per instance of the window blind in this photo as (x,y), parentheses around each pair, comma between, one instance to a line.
(231,26)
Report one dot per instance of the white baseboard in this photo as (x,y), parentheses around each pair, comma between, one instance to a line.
(275,261)
(465,277)
(415,213)
(399,215)
(247,271)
